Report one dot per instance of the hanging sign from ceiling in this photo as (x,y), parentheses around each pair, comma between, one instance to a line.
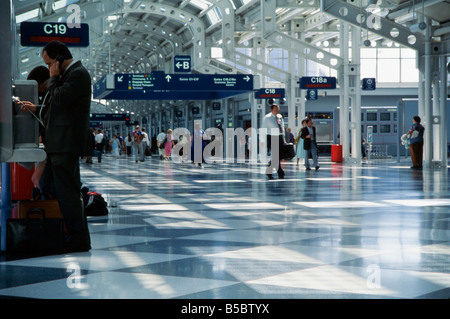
(40,33)
(161,86)
(317,82)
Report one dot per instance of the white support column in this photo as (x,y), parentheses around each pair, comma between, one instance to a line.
(292,88)
(356,96)
(436,118)
(344,100)
(301,107)
(291,102)
(254,126)
(428,136)
(225,125)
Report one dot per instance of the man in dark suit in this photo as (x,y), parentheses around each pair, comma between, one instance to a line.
(308,133)
(67,137)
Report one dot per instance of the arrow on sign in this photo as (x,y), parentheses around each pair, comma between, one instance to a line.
(120,79)
(168,78)
(247,78)
(179,65)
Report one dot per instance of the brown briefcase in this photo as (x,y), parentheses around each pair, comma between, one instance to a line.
(50,206)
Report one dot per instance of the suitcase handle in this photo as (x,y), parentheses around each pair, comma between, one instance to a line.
(35,211)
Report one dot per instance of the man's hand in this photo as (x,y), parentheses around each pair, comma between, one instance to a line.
(27,105)
(54,68)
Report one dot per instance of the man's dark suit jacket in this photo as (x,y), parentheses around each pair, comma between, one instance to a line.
(307,141)
(67,119)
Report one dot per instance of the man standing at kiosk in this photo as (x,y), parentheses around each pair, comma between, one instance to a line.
(67,137)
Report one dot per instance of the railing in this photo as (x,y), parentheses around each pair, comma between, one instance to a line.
(377,151)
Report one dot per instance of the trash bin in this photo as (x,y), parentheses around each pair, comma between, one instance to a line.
(336,153)
(21,184)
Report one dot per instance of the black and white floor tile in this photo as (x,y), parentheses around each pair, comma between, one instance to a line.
(374,231)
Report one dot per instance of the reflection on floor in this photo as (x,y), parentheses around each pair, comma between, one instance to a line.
(378,230)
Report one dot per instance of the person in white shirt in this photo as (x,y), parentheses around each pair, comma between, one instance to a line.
(145,141)
(273,122)
(99,144)
(159,139)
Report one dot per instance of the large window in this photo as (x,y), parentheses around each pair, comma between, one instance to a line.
(389,65)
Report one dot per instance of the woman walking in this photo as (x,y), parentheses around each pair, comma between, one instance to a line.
(168,145)
(301,153)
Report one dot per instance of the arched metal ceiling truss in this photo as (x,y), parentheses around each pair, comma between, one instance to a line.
(148,33)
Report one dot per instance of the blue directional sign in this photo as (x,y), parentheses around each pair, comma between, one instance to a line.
(317,82)
(368,84)
(182,63)
(40,33)
(269,93)
(161,86)
(108,117)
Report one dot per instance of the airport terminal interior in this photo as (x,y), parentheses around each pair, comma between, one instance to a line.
(364,223)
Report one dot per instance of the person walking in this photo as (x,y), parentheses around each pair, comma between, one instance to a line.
(415,134)
(128,144)
(99,144)
(310,144)
(159,140)
(137,144)
(146,143)
(273,122)
(115,146)
(300,151)
(168,145)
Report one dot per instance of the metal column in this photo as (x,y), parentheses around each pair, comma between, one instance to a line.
(428,137)
(443,109)
(6,142)
(344,94)
(356,96)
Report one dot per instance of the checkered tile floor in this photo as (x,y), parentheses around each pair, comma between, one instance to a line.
(379,230)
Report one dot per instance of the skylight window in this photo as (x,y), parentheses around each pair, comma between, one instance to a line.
(62,4)
(201,4)
(27,15)
(213,17)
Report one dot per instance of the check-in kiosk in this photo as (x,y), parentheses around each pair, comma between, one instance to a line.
(25,124)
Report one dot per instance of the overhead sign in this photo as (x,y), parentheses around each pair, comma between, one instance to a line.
(96,124)
(317,82)
(311,94)
(269,93)
(368,84)
(182,63)
(41,33)
(161,86)
(108,117)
